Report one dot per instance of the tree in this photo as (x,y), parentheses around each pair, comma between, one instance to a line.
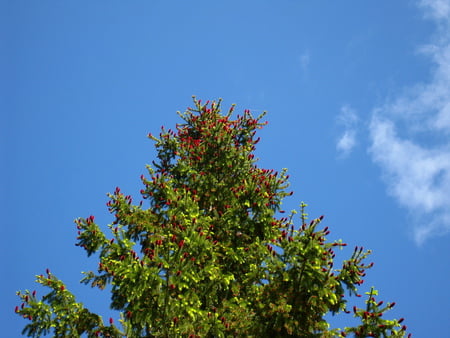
(208,253)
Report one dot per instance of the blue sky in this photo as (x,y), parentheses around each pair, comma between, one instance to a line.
(358,101)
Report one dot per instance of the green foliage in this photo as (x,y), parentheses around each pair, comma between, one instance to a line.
(206,255)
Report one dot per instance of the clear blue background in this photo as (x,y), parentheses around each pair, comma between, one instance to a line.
(83,82)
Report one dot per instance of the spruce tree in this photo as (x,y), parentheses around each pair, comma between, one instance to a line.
(208,251)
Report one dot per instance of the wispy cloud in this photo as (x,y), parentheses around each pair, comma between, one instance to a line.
(348,120)
(437,9)
(416,167)
(304,60)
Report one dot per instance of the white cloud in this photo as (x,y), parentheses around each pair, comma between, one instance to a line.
(348,119)
(417,176)
(437,9)
(304,60)
(346,142)
(418,173)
